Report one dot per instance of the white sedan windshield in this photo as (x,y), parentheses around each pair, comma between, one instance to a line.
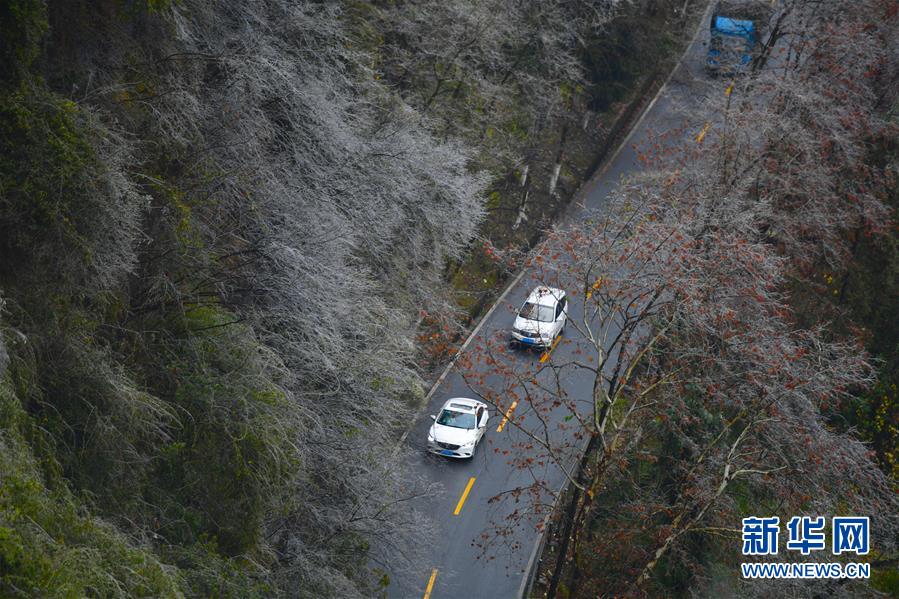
(538,312)
(456,419)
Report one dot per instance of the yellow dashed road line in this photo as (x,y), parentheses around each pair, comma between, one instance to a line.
(702,133)
(705,128)
(546,354)
(430,586)
(594,287)
(464,496)
(506,417)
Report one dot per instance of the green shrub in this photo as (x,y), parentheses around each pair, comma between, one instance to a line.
(49,545)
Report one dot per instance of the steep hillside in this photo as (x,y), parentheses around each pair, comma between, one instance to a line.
(215,229)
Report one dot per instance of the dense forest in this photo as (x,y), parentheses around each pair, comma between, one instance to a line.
(224,230)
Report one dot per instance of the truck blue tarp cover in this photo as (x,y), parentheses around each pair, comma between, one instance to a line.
(732,44)
(729,26)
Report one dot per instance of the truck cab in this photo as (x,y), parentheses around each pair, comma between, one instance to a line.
(734,37)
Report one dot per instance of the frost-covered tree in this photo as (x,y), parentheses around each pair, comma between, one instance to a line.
(220,276)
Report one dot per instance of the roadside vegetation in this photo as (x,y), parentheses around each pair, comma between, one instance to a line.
(740,329)
(224,230)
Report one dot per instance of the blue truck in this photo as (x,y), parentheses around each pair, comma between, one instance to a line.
(735,30)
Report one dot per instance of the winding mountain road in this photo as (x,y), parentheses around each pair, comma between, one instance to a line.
(461,512)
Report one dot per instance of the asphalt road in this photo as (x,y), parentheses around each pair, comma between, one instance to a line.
(456,565)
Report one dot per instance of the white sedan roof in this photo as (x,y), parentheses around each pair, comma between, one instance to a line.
(546,296)
(463,404)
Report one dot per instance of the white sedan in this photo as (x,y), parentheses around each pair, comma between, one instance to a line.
(541,319)
(458,428)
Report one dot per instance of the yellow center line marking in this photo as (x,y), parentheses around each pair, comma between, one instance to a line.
(545,355)
(702,133)
(463,498)
(430,586)
(594,287)
(508,415)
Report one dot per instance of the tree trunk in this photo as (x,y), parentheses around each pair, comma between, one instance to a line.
(558,165)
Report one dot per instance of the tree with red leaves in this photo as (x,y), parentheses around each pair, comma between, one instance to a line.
(709,401)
